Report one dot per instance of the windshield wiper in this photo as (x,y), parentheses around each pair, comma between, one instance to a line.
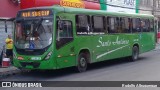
(38,24)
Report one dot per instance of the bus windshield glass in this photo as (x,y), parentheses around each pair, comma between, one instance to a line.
(33,33)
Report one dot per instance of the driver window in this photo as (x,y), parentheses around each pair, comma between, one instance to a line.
(65,29)
(64,33)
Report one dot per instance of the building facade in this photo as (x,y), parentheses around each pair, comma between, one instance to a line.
(146,6)
(8,10)
(156,12)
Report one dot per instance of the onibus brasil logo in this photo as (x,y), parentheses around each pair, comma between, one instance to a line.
(20,84)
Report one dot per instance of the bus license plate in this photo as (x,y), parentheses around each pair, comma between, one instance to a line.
(36,58)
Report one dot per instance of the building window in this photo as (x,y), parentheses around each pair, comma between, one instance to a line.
(145,3)
(158,3)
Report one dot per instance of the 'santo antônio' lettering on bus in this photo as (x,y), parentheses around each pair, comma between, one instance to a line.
(109,43)
(102,43)
(35,13)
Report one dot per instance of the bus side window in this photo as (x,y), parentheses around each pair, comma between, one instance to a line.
(98,24)
(117,25)
(82,24)
(136,25)
(127,25)
(143,25)
(122,26)
(151,25)
(107,24)
(147,25)
(112,25)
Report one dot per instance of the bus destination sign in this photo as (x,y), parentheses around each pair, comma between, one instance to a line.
(39,13)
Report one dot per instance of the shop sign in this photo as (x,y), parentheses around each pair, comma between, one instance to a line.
(72,3)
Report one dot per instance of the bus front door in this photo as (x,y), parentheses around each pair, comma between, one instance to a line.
(65,44)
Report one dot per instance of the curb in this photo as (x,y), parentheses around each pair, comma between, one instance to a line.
(157,47)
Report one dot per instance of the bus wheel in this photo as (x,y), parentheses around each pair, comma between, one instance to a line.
(135,53)
(82,62)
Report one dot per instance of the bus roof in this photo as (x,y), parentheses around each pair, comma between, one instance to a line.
(89,11)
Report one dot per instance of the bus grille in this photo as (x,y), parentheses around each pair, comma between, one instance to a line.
(34,64)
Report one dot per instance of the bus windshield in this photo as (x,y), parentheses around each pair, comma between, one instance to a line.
(33,33)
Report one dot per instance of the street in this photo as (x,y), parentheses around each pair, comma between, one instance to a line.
(144,69)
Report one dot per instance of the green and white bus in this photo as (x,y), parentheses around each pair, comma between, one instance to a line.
(57,37)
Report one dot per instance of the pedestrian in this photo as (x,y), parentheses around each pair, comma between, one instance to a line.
(9,47)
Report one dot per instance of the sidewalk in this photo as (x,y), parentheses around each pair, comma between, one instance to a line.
(157,46)
(4,72)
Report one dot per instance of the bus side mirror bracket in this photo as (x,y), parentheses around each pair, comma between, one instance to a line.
(59,28)
(6,26)
(60,24)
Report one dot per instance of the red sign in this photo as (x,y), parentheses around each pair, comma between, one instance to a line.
(67,3)
(8,9)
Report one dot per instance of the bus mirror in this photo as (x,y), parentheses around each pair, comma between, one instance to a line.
(58,38)
(60,28)
(60,24)
(5,27)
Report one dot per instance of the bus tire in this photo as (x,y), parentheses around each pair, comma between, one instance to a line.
(82,62)
(135,53)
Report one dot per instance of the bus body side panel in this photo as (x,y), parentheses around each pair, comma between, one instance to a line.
(147,41)
(83,43)
(111,46)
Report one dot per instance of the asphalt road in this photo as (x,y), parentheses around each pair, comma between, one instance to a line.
(147,68)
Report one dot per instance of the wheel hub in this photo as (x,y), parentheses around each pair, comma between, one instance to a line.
(82,62)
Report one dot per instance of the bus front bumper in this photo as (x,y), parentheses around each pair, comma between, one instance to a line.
(44,64)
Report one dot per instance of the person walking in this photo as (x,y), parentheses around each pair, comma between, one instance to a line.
(9,47)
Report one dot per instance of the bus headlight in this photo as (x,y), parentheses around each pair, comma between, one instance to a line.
(48,55)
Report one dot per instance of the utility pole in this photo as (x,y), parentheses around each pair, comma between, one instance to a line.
(154,7)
